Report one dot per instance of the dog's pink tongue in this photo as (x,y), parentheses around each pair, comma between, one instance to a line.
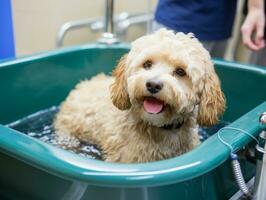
(153,106)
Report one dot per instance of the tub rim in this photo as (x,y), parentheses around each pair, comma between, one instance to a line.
(124,46)
(209,155)
(70,166)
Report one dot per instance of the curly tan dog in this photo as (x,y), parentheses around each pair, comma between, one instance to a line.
(151,108)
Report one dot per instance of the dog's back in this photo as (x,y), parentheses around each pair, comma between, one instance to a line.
(88,110)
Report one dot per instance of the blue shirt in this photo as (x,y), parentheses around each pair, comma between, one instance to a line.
(209,20)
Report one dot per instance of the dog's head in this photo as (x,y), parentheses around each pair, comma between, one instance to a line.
(165,77)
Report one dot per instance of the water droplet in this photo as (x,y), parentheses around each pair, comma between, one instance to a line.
(31,134)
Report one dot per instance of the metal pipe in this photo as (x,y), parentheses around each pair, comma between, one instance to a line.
(71,26)
(108,36)
(138,19)
(260,179)
(238,175)
(100,25)
(123,21)
(94,24)
(109,11)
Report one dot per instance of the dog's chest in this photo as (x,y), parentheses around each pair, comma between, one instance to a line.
(146,149)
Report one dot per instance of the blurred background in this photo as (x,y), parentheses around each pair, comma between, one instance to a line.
(32,26)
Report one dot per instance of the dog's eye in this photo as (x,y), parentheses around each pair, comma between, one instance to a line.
(147,64)
(180,72)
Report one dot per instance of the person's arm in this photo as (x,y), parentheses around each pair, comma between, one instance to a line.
(253,26)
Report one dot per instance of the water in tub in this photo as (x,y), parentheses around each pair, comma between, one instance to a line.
(39,125)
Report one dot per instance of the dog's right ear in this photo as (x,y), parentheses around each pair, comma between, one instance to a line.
(119,94)
(212,102)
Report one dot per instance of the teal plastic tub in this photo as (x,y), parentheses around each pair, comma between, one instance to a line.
(32,169)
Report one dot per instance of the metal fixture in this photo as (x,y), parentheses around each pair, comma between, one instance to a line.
(137,19)
(108,20)
(263,118)
(93,24)
(99,25)
(108,37)
(260,178)
(109,24)
(235,162)
(72,25)
(238,175)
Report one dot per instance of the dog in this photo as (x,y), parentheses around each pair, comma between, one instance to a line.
(151,107)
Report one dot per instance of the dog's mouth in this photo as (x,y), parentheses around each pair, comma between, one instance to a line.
(153,106)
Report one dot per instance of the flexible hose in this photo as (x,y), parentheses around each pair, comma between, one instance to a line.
(238,174)
(235,163)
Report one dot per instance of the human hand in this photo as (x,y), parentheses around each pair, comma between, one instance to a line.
(253,29)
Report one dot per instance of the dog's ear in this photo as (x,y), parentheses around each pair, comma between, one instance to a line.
(119,94)
(212,100)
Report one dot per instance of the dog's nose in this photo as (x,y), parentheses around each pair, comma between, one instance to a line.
(154,86)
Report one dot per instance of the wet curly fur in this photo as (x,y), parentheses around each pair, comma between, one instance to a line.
(109,111)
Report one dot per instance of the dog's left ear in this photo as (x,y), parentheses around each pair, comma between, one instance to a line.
(212,101)
(119,94)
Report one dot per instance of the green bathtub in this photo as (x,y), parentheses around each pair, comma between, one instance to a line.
(32,169)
